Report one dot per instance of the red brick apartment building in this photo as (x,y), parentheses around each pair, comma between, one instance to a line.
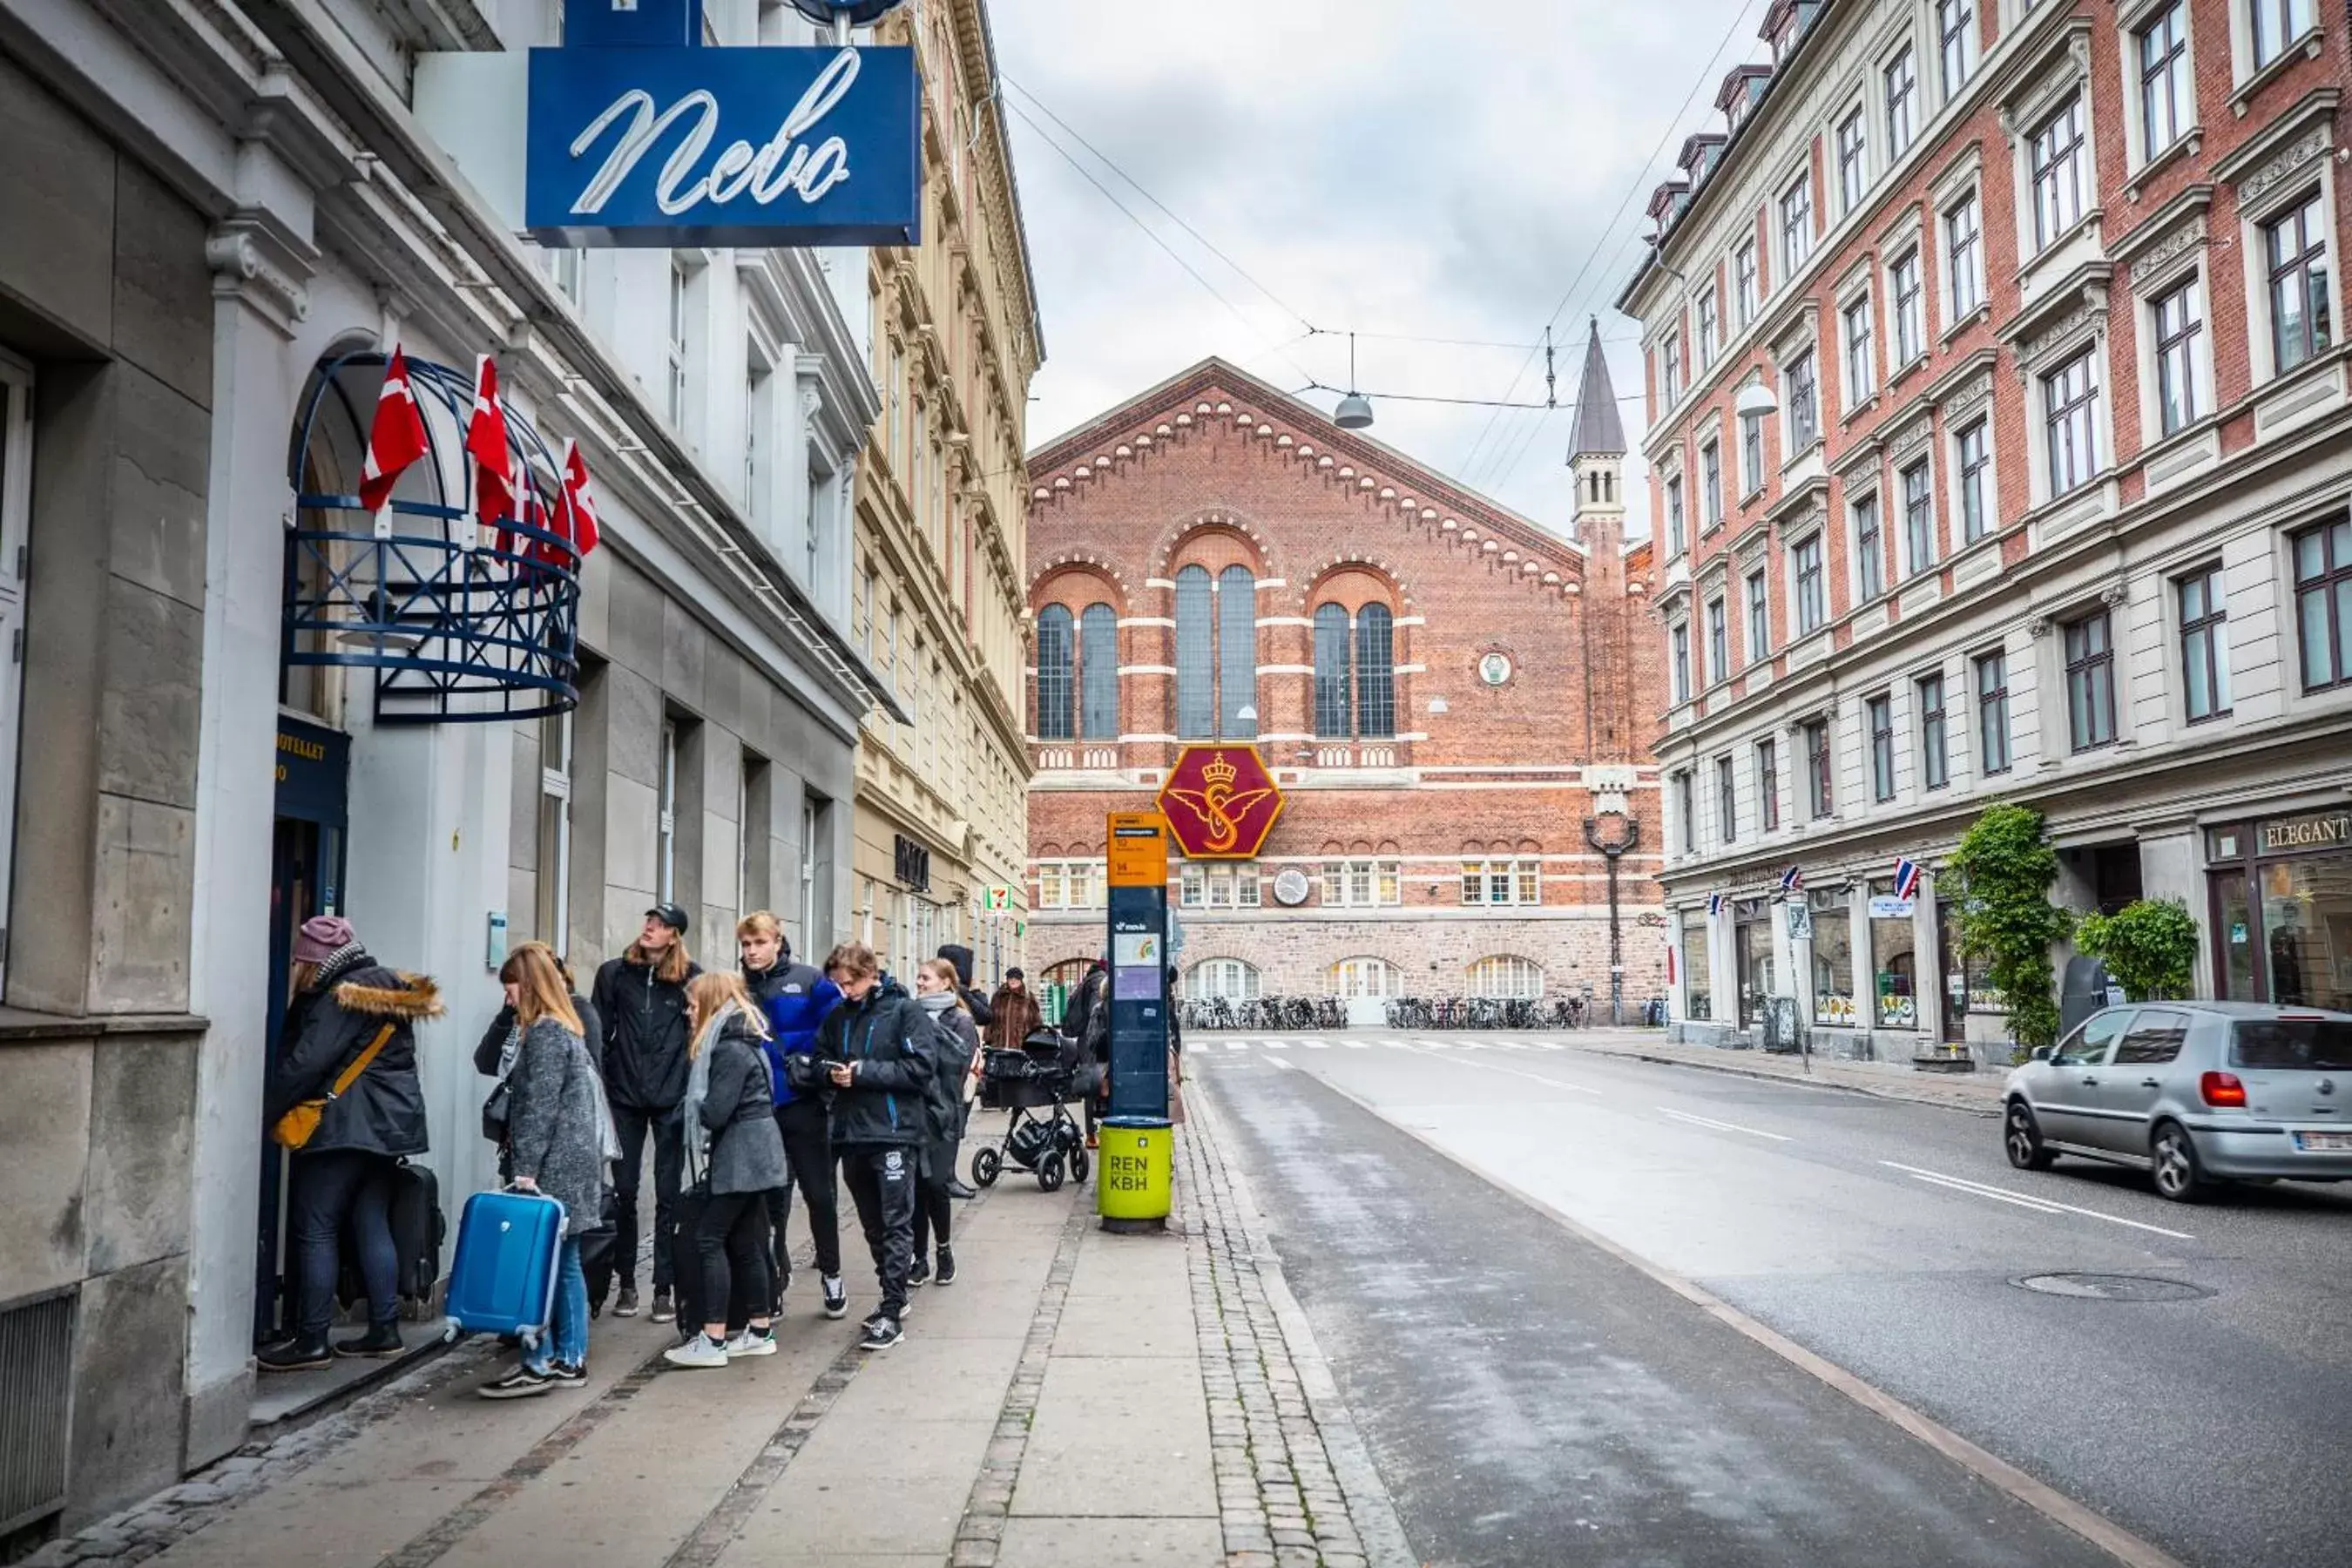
(1445,691)
(2000,434)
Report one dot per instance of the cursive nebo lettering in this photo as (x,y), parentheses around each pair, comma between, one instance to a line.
(785,165)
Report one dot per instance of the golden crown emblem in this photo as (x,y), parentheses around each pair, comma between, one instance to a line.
(1218,771)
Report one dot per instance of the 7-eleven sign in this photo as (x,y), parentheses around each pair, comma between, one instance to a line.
(998,900)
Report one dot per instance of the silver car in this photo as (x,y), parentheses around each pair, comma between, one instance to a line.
(2193,1093)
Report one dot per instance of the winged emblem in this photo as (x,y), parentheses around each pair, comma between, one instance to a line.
(1221,808)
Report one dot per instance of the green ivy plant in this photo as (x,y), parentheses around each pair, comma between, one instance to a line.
(2006,868)
(2149,947)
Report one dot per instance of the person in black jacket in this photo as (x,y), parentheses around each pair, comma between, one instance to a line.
(958,1056)
(344,999)
(640,1004)
(975,1001)
(1087,1025)
(877,1049)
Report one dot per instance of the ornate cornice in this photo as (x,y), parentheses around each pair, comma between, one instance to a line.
(257,260)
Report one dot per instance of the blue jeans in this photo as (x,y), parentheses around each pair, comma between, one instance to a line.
(568,1341)
(331,1187)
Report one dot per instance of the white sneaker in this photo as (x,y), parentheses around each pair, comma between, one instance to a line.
(752,1341)
(699,1351)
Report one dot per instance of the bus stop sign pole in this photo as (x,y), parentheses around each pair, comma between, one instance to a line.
(1135,1189)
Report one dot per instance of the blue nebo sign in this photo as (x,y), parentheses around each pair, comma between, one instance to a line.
(748,147)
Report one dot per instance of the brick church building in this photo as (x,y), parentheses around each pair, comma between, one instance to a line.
(1445,692)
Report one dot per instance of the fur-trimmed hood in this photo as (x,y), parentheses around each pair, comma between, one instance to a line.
(413,997)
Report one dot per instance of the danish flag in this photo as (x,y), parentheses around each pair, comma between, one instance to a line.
(576,509)
(395,438)
(486,444)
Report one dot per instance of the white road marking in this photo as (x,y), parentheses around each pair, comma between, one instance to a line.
(1497,1067)
(1549,1046)
(1278,1062)
(1276,1045)
(2047,1206)
(1237,1044)
(1316,1045)
(1398,1045)
(1435,1045)
(1357,1045)
(1722,1126)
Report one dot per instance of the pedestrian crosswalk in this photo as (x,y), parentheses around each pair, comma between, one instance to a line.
(1318,1043)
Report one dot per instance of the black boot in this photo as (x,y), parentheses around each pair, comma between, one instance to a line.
(381,1343)
(299,1353)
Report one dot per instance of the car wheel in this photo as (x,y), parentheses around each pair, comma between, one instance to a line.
(2022,1139)
(986,1164)
(2174,1168)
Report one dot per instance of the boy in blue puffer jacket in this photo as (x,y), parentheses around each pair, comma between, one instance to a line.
(796,997)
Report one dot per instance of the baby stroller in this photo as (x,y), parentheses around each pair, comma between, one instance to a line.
(1033,1083)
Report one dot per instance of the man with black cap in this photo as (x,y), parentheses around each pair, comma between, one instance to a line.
(640,1000)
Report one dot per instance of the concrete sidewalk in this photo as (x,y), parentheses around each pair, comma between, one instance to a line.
(1977,1091)
(1076,1397)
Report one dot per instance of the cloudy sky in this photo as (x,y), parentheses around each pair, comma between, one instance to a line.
(1424,169)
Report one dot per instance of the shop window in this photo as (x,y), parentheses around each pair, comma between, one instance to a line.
(1698,992)
(1895,965)
(1832,916)
(2322,605)
(1508,977)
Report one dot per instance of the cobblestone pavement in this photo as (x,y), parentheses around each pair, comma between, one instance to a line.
(1230,1446)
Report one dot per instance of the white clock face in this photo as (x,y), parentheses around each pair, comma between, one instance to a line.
(1494,668)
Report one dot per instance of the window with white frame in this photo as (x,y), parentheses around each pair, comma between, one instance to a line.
(1852,161)
(2322,605)
(1372,978)
(1685,824)
(2278,26)
(567,266)
(1727,802)
(1918,518)
(1506,977)
(1821,799)
(1796,224)
(680,280)
(2059,160)
(2070,413)
(1678,526)
(1229,978)
(1751,454)
(2089,651)
(1811,589)
(1670,364)
(2294,255)
(1679,661)
(1747,287)
(1955,43)
(1363,884)
(1760,616)
(1718,641)
(1710,328)
(1861,352)
(553,893)
(1935,753)
(1216,887)
(2168,92)
(1902,103)
(2177,319)
(1804,382)
(1768,785)
(2204,644)
(1869,548)
(1972,470)
(1992,712)
(1192,885)
(1499,884)
(1879,715)
(1710,494)
(666,819)
(1964,254)
(15,522)
(1910,307)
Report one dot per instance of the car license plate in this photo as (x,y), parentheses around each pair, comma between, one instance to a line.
(2324,1142)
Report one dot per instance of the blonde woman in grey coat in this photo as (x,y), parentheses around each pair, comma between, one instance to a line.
(557,1137)
(735,1154)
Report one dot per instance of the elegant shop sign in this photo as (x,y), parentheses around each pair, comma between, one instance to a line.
(638,134)
(2326,830)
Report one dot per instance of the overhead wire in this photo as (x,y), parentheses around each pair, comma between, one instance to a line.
(1465,468)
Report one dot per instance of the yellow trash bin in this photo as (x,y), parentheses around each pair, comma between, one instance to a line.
(1136,1172)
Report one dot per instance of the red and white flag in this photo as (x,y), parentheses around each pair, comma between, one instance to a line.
(486,444)
(576,509)
(395,438)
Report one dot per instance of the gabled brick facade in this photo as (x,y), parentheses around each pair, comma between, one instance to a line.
(1215,475)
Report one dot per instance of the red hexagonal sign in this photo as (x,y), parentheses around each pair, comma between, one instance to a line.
(1219,802)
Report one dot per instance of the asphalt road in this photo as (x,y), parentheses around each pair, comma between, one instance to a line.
(1531,1398)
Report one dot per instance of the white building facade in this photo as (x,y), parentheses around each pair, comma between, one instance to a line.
(216,220)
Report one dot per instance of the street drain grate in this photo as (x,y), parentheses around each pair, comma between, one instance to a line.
(2111,1286)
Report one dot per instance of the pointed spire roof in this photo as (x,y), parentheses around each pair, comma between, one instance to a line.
(1599,432)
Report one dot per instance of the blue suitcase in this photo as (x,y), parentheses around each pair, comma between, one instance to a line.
(502,1279)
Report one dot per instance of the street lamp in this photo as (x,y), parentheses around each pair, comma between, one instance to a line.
(1755,400)
(1611,850)
(843,15)
(1355,410)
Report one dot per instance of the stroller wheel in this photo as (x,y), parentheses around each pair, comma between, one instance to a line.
(987,1164)
(1079,1164)
(1049,1172)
